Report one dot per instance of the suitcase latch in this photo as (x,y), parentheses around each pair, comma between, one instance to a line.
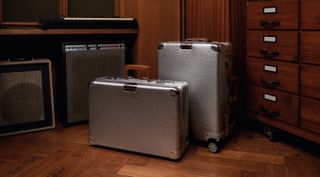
(130,87)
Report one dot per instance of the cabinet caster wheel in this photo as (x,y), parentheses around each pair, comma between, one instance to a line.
(271,133)
(213,146)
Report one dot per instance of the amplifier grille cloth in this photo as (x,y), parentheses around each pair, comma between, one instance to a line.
(83,67)
(21,97)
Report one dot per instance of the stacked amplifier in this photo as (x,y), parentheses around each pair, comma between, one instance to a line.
(82,63)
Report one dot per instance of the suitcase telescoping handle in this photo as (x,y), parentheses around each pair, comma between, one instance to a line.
(135,67)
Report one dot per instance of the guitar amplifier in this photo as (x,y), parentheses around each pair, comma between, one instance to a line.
(82,63)
(26,98)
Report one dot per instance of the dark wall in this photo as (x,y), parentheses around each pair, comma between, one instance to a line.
(28,10)
(89,8)
(31,10)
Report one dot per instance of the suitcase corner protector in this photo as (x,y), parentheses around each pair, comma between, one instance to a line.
(91,140)
(175,155)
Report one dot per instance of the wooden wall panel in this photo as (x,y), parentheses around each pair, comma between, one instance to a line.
(159,21)
(1,6)
(130,8)
(238,39)
(208,19)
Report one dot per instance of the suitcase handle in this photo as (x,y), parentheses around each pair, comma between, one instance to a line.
(197,40)
(136,67)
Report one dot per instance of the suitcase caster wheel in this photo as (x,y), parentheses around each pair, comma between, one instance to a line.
(271,133)
(213,146)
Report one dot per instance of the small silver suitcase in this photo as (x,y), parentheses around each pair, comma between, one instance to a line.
(207,68)
(139,115)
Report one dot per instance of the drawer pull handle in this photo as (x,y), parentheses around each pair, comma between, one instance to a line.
(269,54)
(269,84)
(270,24)
(271,115)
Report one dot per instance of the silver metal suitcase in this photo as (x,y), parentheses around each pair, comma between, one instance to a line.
(207,68)
(139,115)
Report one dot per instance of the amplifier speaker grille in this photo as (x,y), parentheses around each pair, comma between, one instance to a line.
(21,97)
(84,63)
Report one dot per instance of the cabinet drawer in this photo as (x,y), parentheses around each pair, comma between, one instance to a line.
(310,43)
(310,14)
(310,82)
(274,14)
(273,104)
(273,75)
(310,111)
(278,45)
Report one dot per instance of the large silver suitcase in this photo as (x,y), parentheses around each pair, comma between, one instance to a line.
(139,115)
(207,68)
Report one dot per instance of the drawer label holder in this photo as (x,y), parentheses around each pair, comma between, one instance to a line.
(270,68)
(270,39)
(270,97)
(270,10)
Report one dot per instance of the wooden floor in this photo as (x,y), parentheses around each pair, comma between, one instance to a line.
(65,152)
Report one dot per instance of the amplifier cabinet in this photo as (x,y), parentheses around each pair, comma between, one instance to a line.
(283,65)
(82,64)
(26,99)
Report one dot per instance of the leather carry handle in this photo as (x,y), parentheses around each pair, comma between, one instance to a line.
(136,67)
(270,114)
(269,54)
(270,24)
(269,84)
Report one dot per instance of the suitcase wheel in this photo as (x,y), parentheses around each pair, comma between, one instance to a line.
(213,146)
(271,133)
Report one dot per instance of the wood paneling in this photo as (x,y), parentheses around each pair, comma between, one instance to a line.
(310,14)
(286,14)
(159,21)
(238,40)
(208,19)
(310,82)
(310,111)
(285,45)
(309,47)
(1,7)
(63,7)
(283,76)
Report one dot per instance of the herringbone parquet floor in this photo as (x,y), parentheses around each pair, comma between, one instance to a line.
(66,152)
